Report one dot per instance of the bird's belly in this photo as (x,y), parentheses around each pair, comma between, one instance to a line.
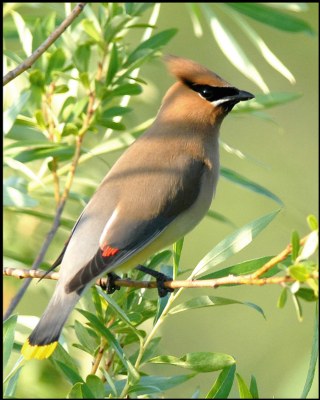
(178,228)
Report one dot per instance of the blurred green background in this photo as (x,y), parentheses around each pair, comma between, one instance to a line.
(285,150)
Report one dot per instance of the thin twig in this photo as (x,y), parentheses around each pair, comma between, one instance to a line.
(201,283)
(64,197)
(37,261)
(44,46)
(275,260)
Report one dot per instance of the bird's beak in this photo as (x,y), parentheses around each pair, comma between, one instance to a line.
(243,96)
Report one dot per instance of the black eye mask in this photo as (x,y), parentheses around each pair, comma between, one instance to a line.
(213,93)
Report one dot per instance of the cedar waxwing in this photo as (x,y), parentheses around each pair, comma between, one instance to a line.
(157,191)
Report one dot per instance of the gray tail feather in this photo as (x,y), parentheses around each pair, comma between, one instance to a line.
(56,314)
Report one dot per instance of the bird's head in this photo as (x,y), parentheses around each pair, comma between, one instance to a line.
(199,94)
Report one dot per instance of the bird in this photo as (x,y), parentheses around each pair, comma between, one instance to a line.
(155,193)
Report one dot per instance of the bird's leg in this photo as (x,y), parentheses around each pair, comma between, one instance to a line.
(160,277)
(110,286)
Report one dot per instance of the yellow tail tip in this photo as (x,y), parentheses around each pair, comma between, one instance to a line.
(39,352)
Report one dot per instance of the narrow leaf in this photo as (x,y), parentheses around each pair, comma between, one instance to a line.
(246,267)
(209,301)
(313,356)
(9,327)
(90,29)
(113,342)
(244,391)
(233,243)
(222,386)
(232,50)
(155,384)
(248,184)
(272,17)
(10,115)
(254,387)
(312,222)
(153,43)
(282,298)
(295,244)
(199,361)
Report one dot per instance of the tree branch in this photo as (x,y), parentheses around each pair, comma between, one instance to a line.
(44,46)
(204,283)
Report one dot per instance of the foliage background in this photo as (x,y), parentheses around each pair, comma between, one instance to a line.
(275,350)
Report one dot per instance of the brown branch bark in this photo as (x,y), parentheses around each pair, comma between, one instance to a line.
(44,46)
(204,283)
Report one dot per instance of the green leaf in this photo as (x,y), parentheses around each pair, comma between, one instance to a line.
(61,356)
(64,222)
(209,301)
(108,123)
(299,272)
(87,337)
(244,391)
(222,386)
(10,115)
(117,310)
(90,29)
(177,250)
(306,294)
(198,361)
(312,222)
(246,267)
(160,258)
(265,101)
(114,27)
(24,33)
(272,17)
(37,78)
(282,298)
(16,196)
(295,243)
(297,307)
(136,9)
(61,89)
(233,243)
(61,151)
(148,46)
(103,330)
(114,64)
(155,384)
(231,48)
(72,376)
(150,350)
(219,217)
(70,129)
(254,388)
(115,111)
(248,184)
(76,391)
(84,78)
(56,62)
(313,356)
(81,57)
(131,89)
(12,385)
(9,327)
(96,386)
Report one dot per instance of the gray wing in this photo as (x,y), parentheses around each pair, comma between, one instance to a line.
(138,218)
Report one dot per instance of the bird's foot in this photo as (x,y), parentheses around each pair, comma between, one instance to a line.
(110,287)
(160,278)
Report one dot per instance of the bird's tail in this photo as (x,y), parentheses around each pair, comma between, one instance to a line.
(44,339)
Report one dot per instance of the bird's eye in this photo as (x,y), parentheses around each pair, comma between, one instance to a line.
(212,93)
